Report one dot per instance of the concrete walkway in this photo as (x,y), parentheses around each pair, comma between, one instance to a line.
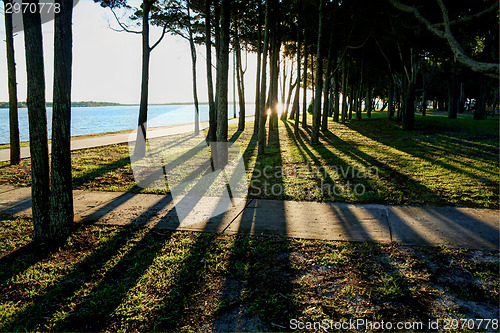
(433,226)
(111,139)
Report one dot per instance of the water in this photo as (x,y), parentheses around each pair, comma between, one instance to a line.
(92,120)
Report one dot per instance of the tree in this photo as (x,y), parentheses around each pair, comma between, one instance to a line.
(319,78)
(263,84)
(146,56)
(221,85)
(15,150)
(40,191)
(61,200)
(212,132)
(443,31)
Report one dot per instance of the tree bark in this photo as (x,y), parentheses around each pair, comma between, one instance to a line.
(274,67)
(15,150)
(319,78)
(304,98)
(263,110)
(344,90)
(297,92)
(336,111)
(222,82)
(211,104)
(61,200)
(192,47)
(328,76)
(240,84)
(40,191)
(140,147)
(258,78)
(368,106)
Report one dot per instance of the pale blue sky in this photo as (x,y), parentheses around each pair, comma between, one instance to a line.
(107,64)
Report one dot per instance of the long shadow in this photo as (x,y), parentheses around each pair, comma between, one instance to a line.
(261,281)
(348,221)
(123,276)
(100,171)
(388,173)
(235,136)
(19,206)
(423,151)
(324,176)
(406,230)
(60,291)
(187,280)
(22,258)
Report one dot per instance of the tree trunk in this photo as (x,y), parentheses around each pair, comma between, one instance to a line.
(61,200)
(275,68)
(291,86)
(15,150)
(480,110)
(328,80)
(424,97)
(240,84)
(296,101)
(140,146)
(211,104)
(40,190)
(368,102)
(351,101)
(193,65)
(222,82)
(344,91)
(263,77)
(452,100)
(319,78)
(304,98)
(283,90)
(336,95)
(257,83)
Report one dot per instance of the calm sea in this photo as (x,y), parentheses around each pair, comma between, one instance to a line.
(91,120)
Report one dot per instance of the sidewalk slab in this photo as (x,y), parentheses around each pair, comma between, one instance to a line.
(428,226)
(313,220)
(449,226)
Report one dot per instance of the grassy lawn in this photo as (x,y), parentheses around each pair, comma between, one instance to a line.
(107,278)
(441,162)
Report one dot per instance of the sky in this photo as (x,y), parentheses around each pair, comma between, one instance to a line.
(107,64)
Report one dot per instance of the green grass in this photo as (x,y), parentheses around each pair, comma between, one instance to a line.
(441,162)
(108,278)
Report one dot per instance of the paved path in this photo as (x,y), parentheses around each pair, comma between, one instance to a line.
(112,139)
(449,226)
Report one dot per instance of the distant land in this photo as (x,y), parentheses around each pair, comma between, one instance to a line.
(5,105)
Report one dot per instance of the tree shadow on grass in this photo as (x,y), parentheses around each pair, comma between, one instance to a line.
(392,179)
(62,292)
(433,142)
(258,283)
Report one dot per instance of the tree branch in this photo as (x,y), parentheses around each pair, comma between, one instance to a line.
(122,25)
(471,17)
(161,37)
(490,69)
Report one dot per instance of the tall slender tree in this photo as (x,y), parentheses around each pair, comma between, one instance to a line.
(61,200)
(263,84)
(15,150)
(37,116)
(319,78)
(212,132)
(222,81)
